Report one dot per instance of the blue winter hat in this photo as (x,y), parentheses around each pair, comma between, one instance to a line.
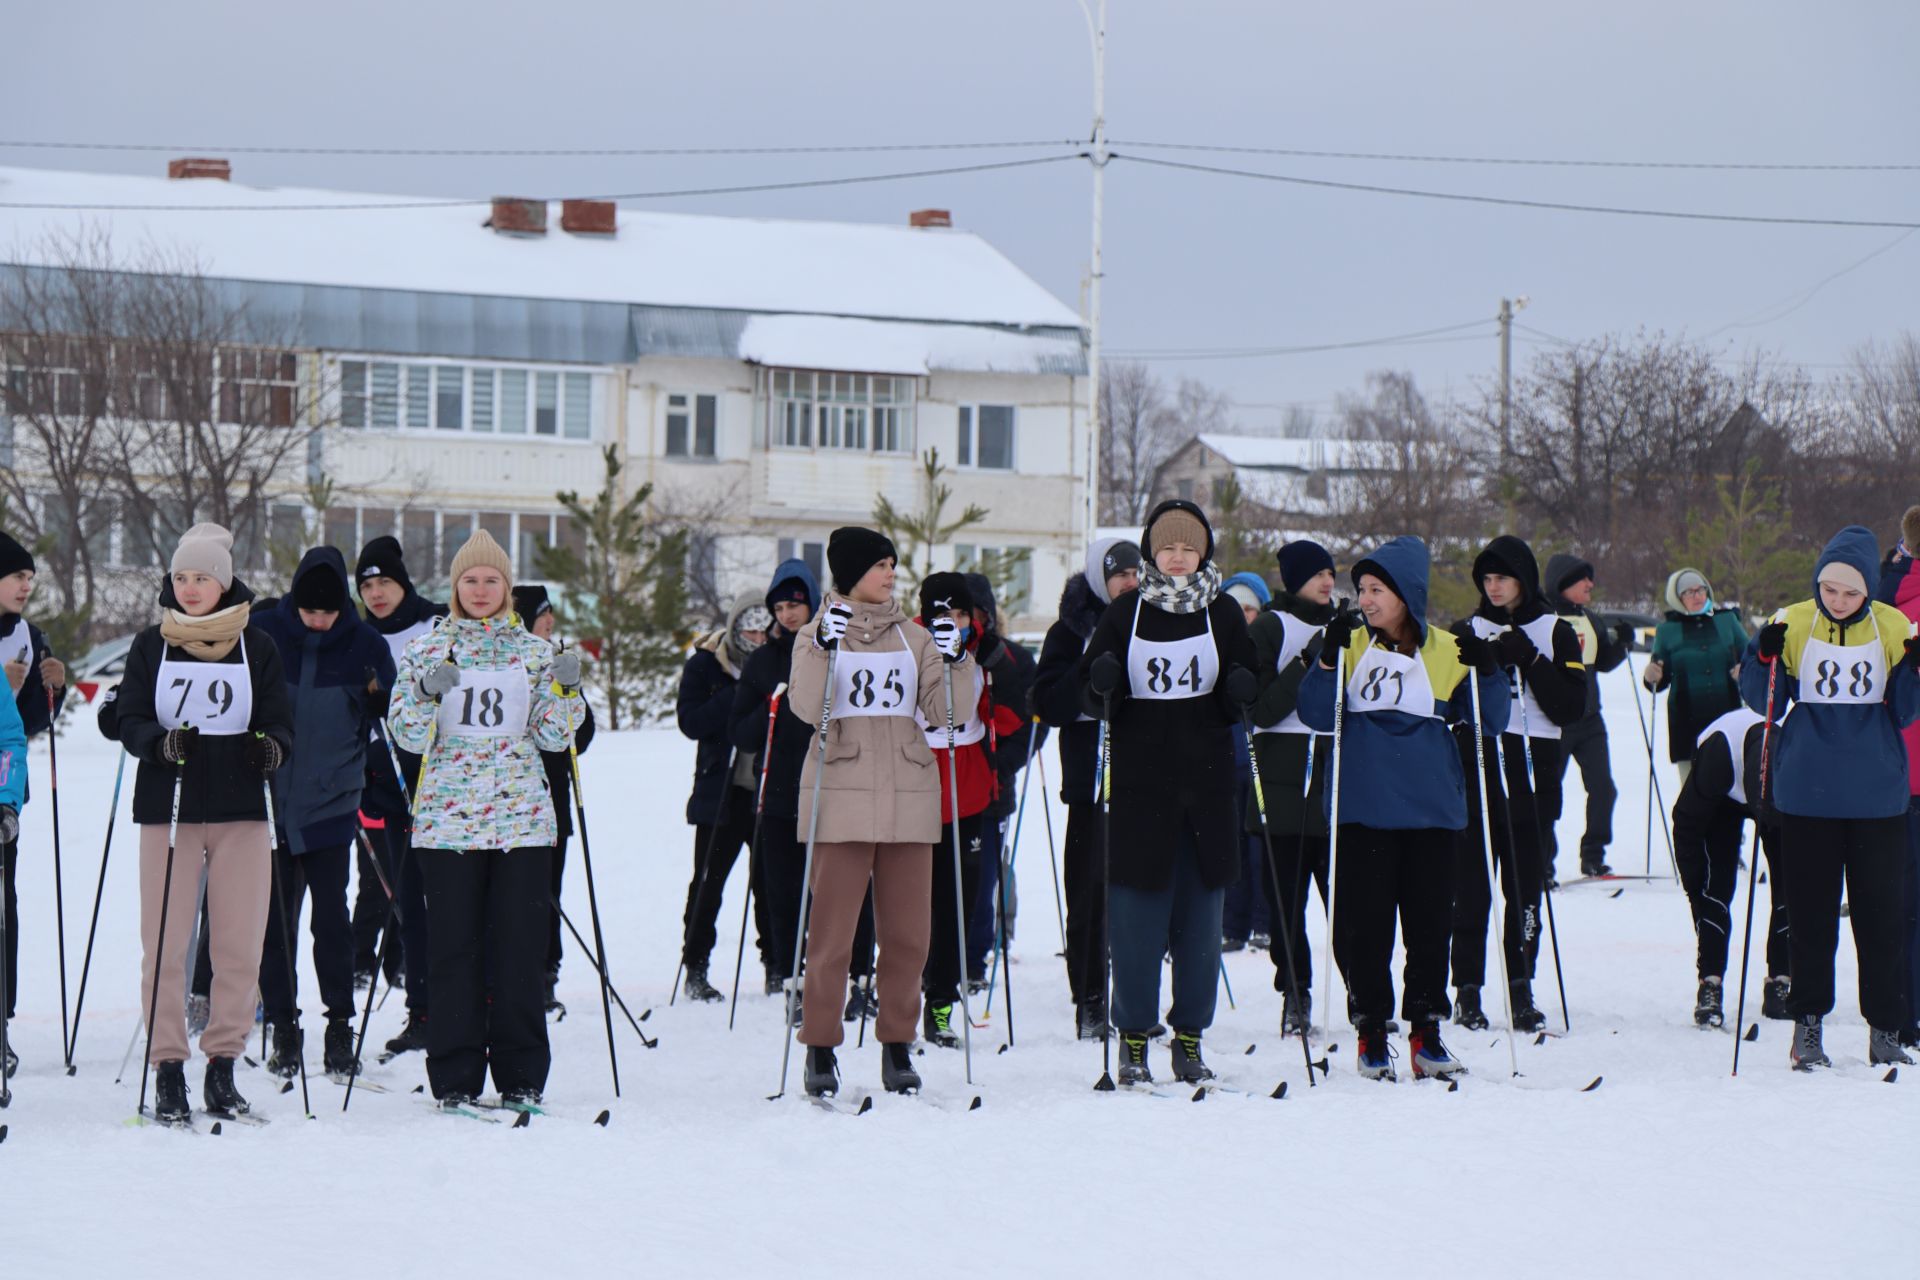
(1300,561)
(1248,589)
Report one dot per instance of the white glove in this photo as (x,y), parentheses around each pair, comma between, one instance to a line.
(9,824)
(833,623)
(947,638)
(440,681)
(566,669)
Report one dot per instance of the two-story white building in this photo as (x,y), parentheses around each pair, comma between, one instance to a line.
(775,376)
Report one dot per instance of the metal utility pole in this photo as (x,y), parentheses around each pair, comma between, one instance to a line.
(1506,381)
(1097,33)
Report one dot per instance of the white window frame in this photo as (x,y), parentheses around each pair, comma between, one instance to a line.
(852,417)
(690,409)
(427,370)
(967,437)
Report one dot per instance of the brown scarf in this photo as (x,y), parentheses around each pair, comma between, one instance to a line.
(209,638)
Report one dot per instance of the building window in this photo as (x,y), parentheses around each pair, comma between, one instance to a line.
(1010,569)
(258,387)
(867,413)
(691,425)
(386,395)
(814,554)
(986,436)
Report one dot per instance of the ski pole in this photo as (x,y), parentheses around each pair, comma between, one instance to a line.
(132,1040)
(593,899)
(1333,839)
(286,933)
(394,918)
(700,883)
(1753,868)
(1105,1083)
(159,941)
(754,862)
(80,998)
(806,872)
(1006,873)
(1273,872)
(1486,841)
(1053,857)
(59,893)
(1019,817)
(1227,983)
(1649,727)
(612,990)
(1540,842)
(959,882)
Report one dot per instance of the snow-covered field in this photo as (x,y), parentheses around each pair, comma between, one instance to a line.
(1669,1168)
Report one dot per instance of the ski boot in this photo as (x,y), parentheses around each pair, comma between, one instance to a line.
(896,1069)
(288,1044)
(976,987)
(1466,1008)
(553,1008)
(1594,866)
(170,1094)
(775,984)
(1259,942)
(1708,1006)
(222,1099)
(458,1100)
(1525,1016)
(1187,1065)
(13,1062)
(1430,1057)
(1805,1051)
(337,1058)
(1228,945)
(937,1027)
(1773,1004)
(521,1097)
(822,1078)
(1374,1054)
(1133,1059)
(698,988)
(861,1001)
(412,1036)
(1091,1019)
(199,1012)
(1296,1014)
(1883,1049)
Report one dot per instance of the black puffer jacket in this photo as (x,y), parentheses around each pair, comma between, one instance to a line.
(1056,690)
(1601,646)
(217,783)
(769,667)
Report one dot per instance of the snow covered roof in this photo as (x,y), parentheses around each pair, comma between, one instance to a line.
(424,245)
(873,346)
(1268,453)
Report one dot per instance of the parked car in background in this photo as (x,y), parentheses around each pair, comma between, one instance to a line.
(102,667)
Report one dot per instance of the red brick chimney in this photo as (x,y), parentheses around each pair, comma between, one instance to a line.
(930,218)
(199,167)
(588,217)
(516,216)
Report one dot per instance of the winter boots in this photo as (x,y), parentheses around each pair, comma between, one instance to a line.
(288,1045)
(412,1036)
(222,1099)
(1373,1056)
(1090,1019)
(1708,1010)
(1133,1059)
(337,1050)
(1296,1014)
(1187,1065)
(1467,1011)
(822,1079)
(170,1093)
(698,988)
(1525,1016)
(1883,1049)
(937,1027)
(1430,1057)
(1806,1052)
(1773,1004)
(1593,865)
(896,1069)
(862,1001)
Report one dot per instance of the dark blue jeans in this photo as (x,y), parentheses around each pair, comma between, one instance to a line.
(1182,920)
(983,912)
(324,871)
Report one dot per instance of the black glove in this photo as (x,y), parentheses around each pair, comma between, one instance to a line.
(264,754)
(1241,689)
(1625,633)
(9,824)
(1478,654)
(1334,640)
(1103,677)
(1912,655)
(1773,641)
(1516,648)
(178,744)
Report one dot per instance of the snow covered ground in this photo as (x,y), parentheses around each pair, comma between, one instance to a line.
(1669,1168)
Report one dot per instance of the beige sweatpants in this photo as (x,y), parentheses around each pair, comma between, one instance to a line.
(239,882)
(902,925)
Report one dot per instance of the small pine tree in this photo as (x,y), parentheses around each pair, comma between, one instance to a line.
(1743,540)
(916,534)
(624,591)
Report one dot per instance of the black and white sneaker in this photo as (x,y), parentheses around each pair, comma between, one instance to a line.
(222,1098)
(1806,1052)
(1883,1049)
(1467,1011)
(1708,1006)
(1773,1003)
(822,1077)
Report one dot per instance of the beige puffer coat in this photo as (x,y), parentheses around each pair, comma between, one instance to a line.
(881,784)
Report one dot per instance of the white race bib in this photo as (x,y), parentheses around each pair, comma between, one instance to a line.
(883,683)
(1387,681)
(1844,675)
(397,642)
(1733,726)
(1166,670)
(489,702)
(214,697)
(1528,717)
(1298,635)
(17,647)
(966,732)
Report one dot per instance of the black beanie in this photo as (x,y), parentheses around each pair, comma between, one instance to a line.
(320,590)
(1300,561)
(1120,557)
(940,592)
(382,558)
(851,551)
(530,602)
(13,557)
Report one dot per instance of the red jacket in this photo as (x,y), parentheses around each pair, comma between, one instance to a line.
(973,771)
(1906,598)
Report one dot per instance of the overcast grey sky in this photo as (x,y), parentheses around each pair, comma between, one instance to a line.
(1193,261)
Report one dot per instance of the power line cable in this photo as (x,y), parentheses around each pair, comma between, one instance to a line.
(1512,201)
(562,153)
(1417,338)
(1411,158)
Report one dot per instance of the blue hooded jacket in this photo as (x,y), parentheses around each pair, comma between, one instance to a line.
(13,756)
(1401,771)
(1838,760)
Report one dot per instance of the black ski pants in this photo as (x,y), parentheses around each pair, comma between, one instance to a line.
(1519,820)
(1296,859)
(1085,870)
(489,942)
(10,859)
(1709,858)
(1383,875)
(1870,855)
(370,906)
(715,848)
(408,951)
(324,873)
(941,980)
(1585,742)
